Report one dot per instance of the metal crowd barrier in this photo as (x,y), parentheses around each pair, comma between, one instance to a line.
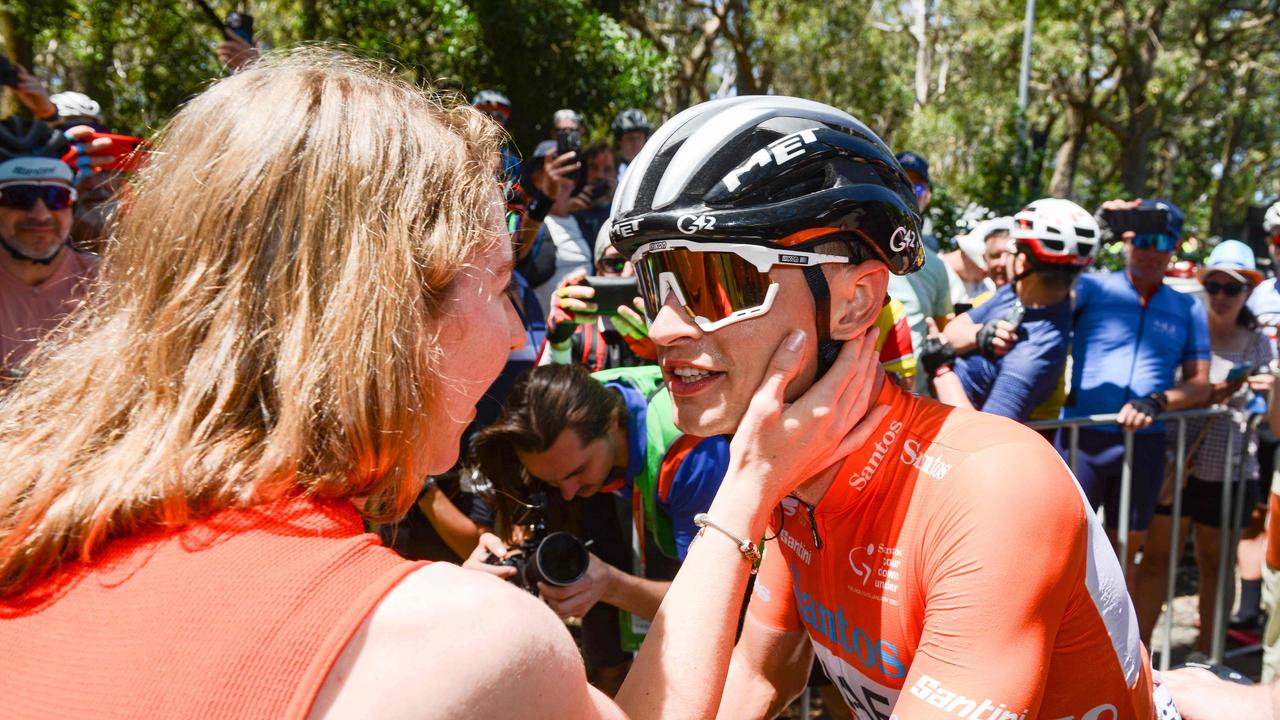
(1233,468)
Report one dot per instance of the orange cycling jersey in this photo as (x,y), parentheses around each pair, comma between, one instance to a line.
(954,570)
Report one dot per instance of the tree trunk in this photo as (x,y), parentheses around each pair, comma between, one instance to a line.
(1067,160)
(1227,159)
(920,31)
(20,51)
(310,20)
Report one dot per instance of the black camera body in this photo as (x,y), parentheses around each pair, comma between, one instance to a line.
(557,558)
(242,25)
(8,73)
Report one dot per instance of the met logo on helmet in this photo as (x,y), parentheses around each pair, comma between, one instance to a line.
(780,152)
(628,228)
(690,224)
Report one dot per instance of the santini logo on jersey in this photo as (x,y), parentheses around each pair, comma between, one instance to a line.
(802,553)
(931,465)
(860,480)
(780,152)
(932,692)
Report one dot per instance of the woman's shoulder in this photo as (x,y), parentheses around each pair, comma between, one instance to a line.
(447,639)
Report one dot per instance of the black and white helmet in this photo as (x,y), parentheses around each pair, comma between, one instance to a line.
(769,170)
(630,120)
(73,104)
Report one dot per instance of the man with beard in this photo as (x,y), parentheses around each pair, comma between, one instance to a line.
(42,278)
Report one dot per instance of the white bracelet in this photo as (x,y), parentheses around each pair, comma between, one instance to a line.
(745,546)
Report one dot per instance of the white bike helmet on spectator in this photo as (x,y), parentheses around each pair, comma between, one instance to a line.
(492,102)
(1271,221)
(974,243)
(1056,232)
(72,104)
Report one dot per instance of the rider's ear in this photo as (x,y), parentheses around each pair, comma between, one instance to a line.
(857,295)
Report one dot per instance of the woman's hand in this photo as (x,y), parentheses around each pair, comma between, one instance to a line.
(780,445)
(490,547)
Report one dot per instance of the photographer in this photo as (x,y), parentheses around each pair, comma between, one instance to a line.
(611,432)
(1009,352)
(598,338)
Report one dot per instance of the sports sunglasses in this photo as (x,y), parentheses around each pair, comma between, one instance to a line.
(23,197)
(1162,242)
(718,284)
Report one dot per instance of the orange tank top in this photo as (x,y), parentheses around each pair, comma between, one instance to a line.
(241,615)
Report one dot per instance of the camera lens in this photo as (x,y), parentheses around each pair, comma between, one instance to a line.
(561,559)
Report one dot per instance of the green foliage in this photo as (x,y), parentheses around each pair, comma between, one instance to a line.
(1165,91)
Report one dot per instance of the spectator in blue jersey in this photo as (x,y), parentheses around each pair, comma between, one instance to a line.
(1053,240)
(586,434)
(1132,334)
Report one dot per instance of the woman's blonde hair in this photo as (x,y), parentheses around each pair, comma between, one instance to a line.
(263,321)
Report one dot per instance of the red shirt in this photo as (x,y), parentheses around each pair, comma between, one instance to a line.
(241,615)
(961,575)
(27,312)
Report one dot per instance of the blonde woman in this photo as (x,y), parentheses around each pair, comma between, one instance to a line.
(296,316)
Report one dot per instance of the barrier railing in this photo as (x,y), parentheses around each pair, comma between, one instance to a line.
(1232,508)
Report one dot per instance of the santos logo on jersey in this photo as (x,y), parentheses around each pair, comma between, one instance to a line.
(928,464)
(860,480)
(932,692)
(855,642)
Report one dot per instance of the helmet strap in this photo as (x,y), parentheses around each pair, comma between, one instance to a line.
(828,349)
(17,254)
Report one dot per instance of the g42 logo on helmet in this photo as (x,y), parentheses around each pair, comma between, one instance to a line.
(690,224)
(901,239)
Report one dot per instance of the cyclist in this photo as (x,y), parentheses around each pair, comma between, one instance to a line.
(42,278)
(1053,240)
(913,565)
(630,131)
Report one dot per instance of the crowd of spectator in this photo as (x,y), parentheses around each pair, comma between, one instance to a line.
(577,432)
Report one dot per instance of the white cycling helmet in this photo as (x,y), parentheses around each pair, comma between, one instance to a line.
(1057,232)
(974,243)
(72,104)
(1271,221)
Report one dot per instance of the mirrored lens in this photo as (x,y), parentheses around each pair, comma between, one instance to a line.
(23,197)
(714,284)
(1161,242)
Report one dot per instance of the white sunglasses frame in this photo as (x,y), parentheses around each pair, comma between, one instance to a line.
(763,258)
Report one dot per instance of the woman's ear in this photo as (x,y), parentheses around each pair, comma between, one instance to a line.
(857,296)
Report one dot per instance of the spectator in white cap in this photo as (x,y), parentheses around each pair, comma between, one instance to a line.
(42,278)
(981,251)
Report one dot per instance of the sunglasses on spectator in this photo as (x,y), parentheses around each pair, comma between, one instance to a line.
(1161,242)
(24,197)
(613,264)
(920,189)
(1230,289)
